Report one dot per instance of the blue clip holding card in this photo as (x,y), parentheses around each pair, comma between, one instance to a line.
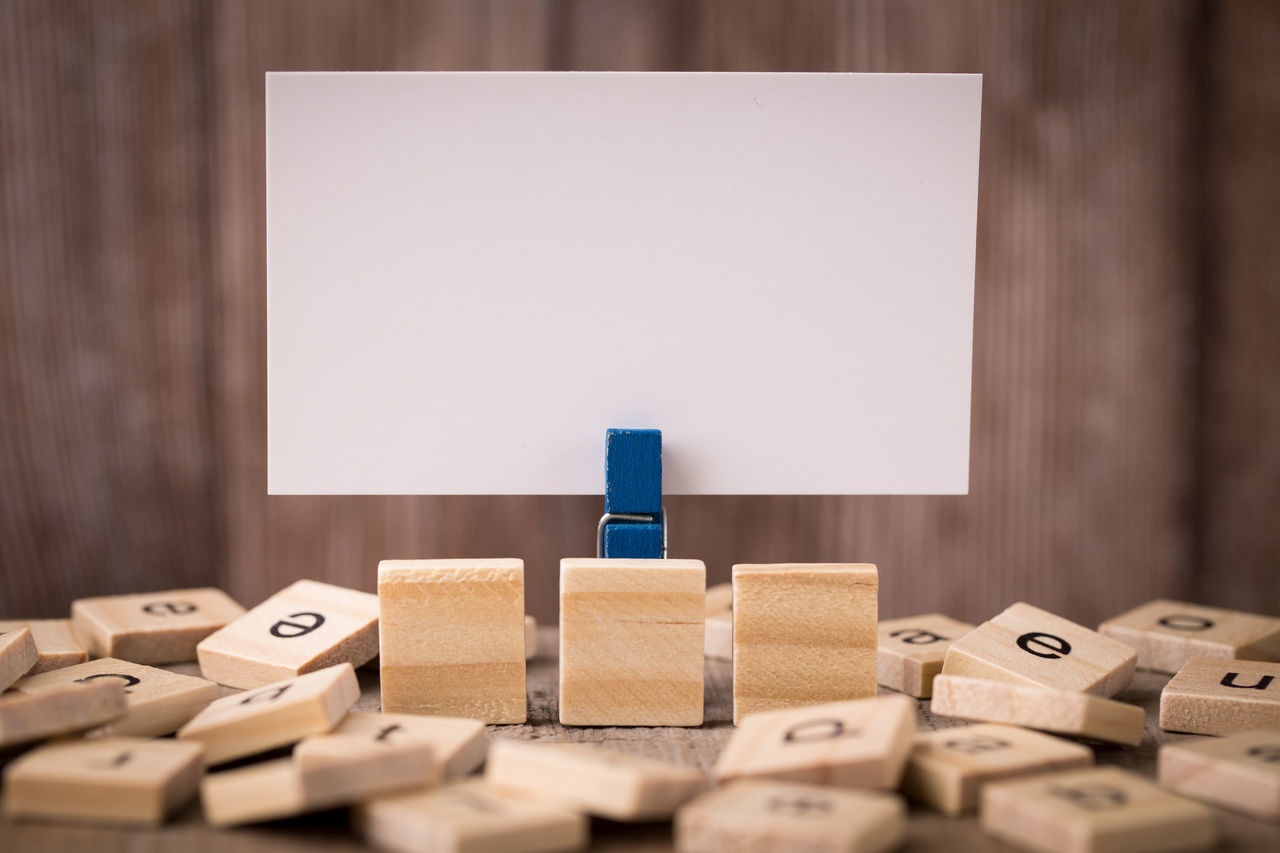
(634,524)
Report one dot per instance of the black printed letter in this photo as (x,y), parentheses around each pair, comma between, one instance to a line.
(286,629)
(1055,647)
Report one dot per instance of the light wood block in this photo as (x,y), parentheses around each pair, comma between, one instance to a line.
(29,717)
(1059,711)
(718,643)
(779,817)
(948,768)
(1027,645)
(453,641)
(859,744)
(911,651)
(17,655)
(803,634)
(159,701)
(1094,810)
(1211,696)
(56,642)
(267,790)
(530,638)
(458,744)
(1240,772)
(304,627)
(469,817)
(593,779)
(720,598)
(152,627)
(116,781)
(631,642)
(1167,633)
(273,716)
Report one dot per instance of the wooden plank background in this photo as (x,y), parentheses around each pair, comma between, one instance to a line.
(1126,396)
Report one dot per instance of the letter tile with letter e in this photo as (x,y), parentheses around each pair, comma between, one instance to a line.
(56,642)
(29,717)
(1212,696)
(1166,633)
(1027,645)
(1240,772)
(304,627)
(458,744)
(911,651)
(1094,810)
(778,817)
(859,744)
(153,627)
(17,655)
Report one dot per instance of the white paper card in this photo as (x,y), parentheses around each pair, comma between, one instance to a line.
(472,275)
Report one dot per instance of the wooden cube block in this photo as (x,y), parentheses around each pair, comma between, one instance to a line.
(29,717)
(948,768)
(859,744)
(1167,633)
(152,627)
(119,781)
(56,642)
(304,627)
(593,779)
(273,716)
(1027,645)
(458,744)
(764,817)
(1240,772)
(469,817)
(17,655)
(530,638)
(453,638)
(911,650)
(1211,696)
(1101,808)
(159,701)
(631,642)
(1059,711)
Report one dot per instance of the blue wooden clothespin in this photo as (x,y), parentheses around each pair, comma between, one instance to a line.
(634,523)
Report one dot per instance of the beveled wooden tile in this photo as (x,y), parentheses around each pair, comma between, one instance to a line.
(910,651)
(530,637)
(718,642)
(1167,633)
(17,655)
(1240,772)
(458,744)
(1212,696)
(29,717)
(152,627)
(56,642)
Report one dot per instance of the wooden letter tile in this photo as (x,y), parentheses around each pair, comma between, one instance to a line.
(1098,809)
(631,642)
(1167,633)
(117,781)
(1027,645)
(1211,696)
(458,744)
(530,638)
(778,817)
(29,717)
(453,640)
(911,651)
(56,642)
(948,768)
(803,634)
(153,627)
(719,637)
(859,744)
(1240,772)
(17,655)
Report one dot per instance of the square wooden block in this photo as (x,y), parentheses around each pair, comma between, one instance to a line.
(457,744)
(911,650)
(1167,633)
(453,641)
(152,627)
(1027,645)
(56,641)
(948,768)
(803,634)
(631,642)
(29,717)
(1098,809)
(859,744)
(1211,696)
(304,627)
(17,655)
(1240,772)
(778,817)
(114,781)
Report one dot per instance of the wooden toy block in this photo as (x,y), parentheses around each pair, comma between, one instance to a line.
(718,642)
(118,781)
(911,650)
(1211,696)
(458,744)
(1094,810)
(593,779)
(803,634)
(633,541)
(29,717)
(158,701)
(152,627)
(17,655)
(273,716)
(530,638)
(469,817)
(1240,772)
(56,642)
(948,768)
(1027,645)
(1166,633)
(1062,712)
(631,642)
(304,627)
(453,638)
(633,471)
(778,817)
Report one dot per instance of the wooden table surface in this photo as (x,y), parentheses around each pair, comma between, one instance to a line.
(701,746)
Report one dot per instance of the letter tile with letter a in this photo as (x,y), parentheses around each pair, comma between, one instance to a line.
(56,642)
(302,628)
(1211,696)
(153,627)
(1240,772)
(911,651)
(1167,633)
(458,744)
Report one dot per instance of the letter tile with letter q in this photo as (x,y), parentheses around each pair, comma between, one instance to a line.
(1211,696)
(152,627)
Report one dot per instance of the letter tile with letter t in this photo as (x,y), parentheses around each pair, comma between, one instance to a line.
(1240,772)
(153,627)
(1167,633)
(911,651)
(1212,696)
